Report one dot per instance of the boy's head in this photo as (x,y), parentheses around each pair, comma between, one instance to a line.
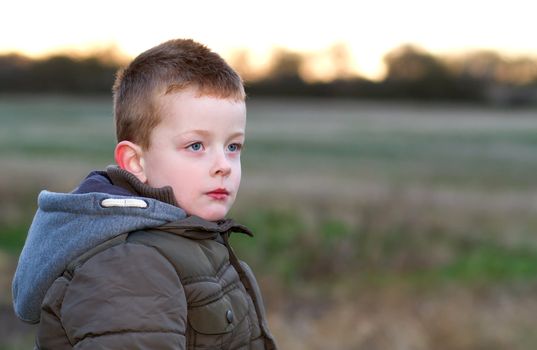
(170,67)
(180,122)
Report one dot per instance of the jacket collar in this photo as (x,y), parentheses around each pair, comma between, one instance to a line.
(194,227)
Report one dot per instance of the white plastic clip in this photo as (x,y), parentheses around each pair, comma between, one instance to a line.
(123,202)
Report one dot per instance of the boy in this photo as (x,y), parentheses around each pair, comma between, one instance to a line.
(137,257)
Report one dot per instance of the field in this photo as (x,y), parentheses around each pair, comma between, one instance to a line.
(378,225)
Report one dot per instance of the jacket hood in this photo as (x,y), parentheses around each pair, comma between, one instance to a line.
(68,224)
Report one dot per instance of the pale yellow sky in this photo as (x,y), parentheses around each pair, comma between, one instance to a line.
(369,28)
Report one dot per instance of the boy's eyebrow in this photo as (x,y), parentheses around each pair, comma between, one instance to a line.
(197,131)
(207,133)
(238,133)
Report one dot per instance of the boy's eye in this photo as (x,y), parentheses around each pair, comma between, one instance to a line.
(234,147)
(196,146)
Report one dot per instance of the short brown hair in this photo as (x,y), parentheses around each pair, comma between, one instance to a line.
(167,68)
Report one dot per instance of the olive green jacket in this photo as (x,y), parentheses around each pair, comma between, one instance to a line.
(177,286)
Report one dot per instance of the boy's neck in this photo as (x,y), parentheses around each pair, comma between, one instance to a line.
(128,181)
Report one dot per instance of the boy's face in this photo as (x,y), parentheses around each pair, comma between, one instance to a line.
(196,150)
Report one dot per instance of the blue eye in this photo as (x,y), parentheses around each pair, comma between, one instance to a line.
(195,146)
(234,147)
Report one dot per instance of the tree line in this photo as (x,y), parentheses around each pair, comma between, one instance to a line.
(411,74)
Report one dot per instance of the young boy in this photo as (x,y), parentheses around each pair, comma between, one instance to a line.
(137,257)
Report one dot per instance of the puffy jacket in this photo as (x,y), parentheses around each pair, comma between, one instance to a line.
(136,274)
(178,286)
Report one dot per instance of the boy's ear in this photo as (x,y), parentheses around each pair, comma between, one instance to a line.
(128,156)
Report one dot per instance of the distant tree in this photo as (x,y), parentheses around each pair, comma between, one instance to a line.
(519,71)
(492,68)
(285,65)
(502,81)
(59,73)
(483,66)
(414,73)
(409,63)
(14,71)
(283,77)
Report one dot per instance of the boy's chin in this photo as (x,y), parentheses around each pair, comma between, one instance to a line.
(213,215)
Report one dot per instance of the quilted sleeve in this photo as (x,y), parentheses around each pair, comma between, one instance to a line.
(126,297)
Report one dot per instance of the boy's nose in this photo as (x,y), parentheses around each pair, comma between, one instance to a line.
(221,165)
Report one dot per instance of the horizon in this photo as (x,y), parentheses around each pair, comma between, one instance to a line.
(300,26)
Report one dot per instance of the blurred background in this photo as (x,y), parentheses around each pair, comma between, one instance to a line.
(389,168)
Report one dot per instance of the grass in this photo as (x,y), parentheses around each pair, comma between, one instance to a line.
(12,238)
(331,250)
(411,210)
(475,150)
(286,246)
(492,263)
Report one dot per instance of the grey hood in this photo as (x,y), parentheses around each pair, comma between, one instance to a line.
(68,224)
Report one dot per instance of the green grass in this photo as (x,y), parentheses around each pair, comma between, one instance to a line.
(333,250)
(493,262)
(56,127)
(293,250)
(12,238)
(467,148)
(335,146)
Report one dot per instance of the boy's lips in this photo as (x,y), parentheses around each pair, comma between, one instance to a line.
(219,193)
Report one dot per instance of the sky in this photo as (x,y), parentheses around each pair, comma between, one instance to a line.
(370,29)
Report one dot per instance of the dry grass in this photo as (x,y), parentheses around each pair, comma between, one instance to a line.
(452,318)
(428,186)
